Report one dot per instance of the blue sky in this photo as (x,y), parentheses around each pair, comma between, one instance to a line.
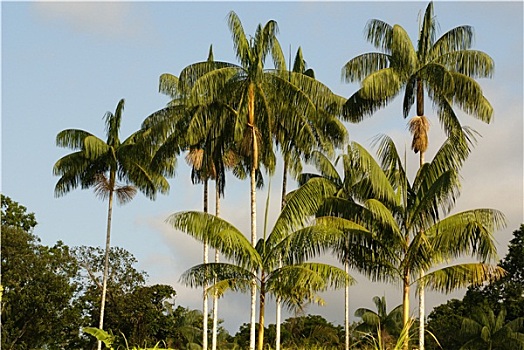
(64,64)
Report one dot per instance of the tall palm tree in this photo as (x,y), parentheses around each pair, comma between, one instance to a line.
(388,324)
(409,233)
(290,242)
(485,330)
(208,138)
(322,130)
(421,233)
(445,67)
(253,95)
(102,165)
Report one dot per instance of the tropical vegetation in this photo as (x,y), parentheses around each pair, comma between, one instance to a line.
(360,208)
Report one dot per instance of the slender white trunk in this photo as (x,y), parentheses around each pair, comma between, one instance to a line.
(253,242)
(421,313)
(278,298)
(215,313)
(421,293)
(204,288)
(204,302)
(215,297)
(278,320)
(106,262)
(346,309)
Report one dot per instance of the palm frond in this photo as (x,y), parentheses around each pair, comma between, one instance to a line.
(473,63)
(168,85)
(455,40)
(219,277)
(467,233)
(302,205)
(240,43)
(379,34)
(384,85)
(218,233)
(94,147)
(72,138)
(301,283)
(468,96)
(450,278)
(359,67)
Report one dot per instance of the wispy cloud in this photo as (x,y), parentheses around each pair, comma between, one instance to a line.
(114,20)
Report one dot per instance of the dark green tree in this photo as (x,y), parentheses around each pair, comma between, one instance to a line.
(311,331)
(38,286)
(505,292)
(444,321)
(483,329)
(16,215)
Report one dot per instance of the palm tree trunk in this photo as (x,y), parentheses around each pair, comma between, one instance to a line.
(405,303)
(204,288)
(253,242)
(421,312)
(278,299)
(420,97)
(262,307)
(346,309)
(254,166)
(106,257)
(421,291)
(421,295)
(215,296)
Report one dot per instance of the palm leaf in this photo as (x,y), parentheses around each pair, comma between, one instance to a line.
(220,277)
(467,233)
(71,138)
(218,233)
(462,275)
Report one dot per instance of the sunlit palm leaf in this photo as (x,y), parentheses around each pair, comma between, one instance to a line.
(450,278)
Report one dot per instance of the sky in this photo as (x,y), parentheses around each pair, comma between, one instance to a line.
(65,64)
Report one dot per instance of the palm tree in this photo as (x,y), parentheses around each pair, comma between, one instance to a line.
(208,138)
(362,179)
(324,131)
(289,242)
(409,234)
(387,324)
(102,164)
(420,233)
(445,67)
(485,330)
(253,96)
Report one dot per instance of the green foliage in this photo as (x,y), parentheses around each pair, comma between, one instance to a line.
(444,321)
(300,332)
(15,215)
(444,67)
(483,329)
(509,290)
(385,327)
(38,286)
(108,339)
(99,164)
(135,313)
(488,300)
(103,336)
